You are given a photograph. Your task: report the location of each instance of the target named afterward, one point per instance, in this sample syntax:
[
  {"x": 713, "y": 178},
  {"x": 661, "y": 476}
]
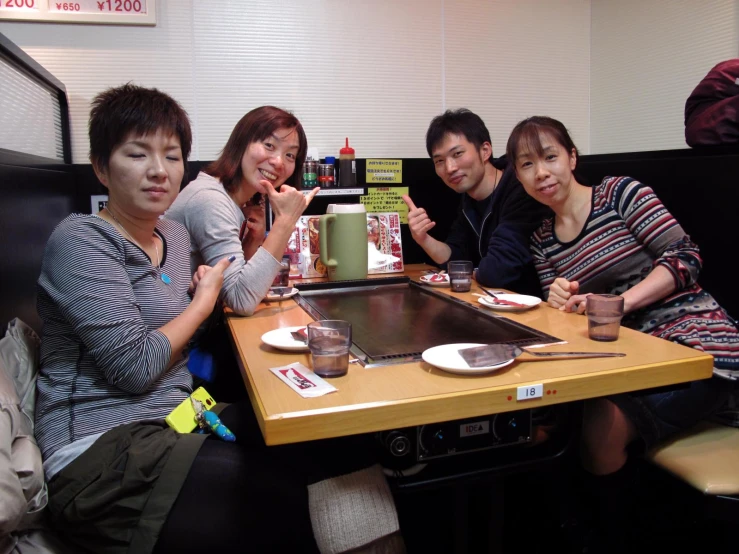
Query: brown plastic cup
[{"x": 604, "y": 316}]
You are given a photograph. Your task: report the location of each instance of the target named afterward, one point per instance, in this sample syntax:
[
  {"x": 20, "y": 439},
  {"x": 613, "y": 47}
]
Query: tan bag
[
  {"x": 21, "y": 471},
  {"x": 19, "y": 352}
]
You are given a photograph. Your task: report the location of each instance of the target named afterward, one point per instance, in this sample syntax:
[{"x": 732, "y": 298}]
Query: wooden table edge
[{"x": 354, "y": 419}]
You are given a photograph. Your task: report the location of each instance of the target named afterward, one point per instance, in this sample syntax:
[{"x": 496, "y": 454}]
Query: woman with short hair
[{"x": 115, "y": 299}]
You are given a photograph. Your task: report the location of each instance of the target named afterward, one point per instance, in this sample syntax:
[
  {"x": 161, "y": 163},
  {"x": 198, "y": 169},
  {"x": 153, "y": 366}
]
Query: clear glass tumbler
[
  {"x": 604, "y": 316},
  {"x": 282, "y": 279},
  {"x": 460, "y": 275},
  {"x": 329, "y": 342}
]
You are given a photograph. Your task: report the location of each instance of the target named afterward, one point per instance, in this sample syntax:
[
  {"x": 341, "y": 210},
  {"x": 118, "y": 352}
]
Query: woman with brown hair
[{"x": 223, "y": 208}]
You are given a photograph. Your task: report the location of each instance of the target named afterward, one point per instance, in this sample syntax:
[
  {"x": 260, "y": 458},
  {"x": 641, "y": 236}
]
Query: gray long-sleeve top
[
  {"x": 214, "y": 221},
  {"x": 104, "y": 361}
]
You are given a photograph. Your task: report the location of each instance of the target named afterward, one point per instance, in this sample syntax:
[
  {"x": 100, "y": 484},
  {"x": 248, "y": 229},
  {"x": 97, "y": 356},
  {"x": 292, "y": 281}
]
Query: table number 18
[{"x": 530, "y": 392}]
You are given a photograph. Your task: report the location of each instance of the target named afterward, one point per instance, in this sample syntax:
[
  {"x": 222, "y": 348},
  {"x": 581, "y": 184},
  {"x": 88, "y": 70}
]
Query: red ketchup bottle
[{"x": 347, "y": 166}]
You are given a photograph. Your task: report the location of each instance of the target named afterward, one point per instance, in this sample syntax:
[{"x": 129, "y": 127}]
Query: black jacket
[{"x": 499, "y": 244}]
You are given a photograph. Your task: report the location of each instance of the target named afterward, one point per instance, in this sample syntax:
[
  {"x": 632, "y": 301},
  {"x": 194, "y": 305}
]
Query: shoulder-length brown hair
[{"x": 256, "y": 125}]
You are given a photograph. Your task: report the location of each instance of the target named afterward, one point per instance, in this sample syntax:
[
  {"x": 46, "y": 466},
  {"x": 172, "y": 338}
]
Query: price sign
[
  {"x": 121, "y": 12},
  {"x": 530, "y": 392},
  {"x": 19, "y": 5}
]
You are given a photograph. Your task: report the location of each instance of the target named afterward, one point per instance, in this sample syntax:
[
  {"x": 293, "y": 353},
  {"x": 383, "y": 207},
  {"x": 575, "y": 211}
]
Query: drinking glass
[
  {"x": 460, "y": 275},
  {"x": 282, "y": 279},
  {"x": 604, "y": 316},
  {"x": 329, "y": 342}
]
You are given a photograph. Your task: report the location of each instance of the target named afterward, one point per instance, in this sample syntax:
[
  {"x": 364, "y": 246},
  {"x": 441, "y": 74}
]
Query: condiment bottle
[
  {"x": 347, "y": 166},
  {"x": 326, "y": 176},
  {"x": 332, "y": 160},
  {"x": 310, "y": 174}
]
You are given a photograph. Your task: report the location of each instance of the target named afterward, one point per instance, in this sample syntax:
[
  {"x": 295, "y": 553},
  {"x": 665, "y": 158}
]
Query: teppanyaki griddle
[{"x": 395, "y": 319}]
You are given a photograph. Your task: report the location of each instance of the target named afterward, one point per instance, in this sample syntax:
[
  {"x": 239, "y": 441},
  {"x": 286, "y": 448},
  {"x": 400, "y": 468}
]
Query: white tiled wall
[{"x": 377, "y": 71}]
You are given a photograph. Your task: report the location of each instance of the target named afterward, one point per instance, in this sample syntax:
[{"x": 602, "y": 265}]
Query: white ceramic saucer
[
  {"x": 527, "y": 302},
  {"x": 283, "y": 340},
  {"x": 447, "y": 357},
  {"x": 272, "y": 297},
  {"x": 426, "y": 279}
]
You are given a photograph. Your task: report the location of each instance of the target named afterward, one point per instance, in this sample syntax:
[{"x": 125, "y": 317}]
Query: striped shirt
[
  {"x": 627, "y": 234},
  {"x": 103, "y": 361}
]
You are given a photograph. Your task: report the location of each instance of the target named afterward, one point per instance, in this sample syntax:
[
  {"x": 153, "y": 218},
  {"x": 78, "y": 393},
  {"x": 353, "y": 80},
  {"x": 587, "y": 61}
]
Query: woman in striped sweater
[{"x": 618, "y": 238}]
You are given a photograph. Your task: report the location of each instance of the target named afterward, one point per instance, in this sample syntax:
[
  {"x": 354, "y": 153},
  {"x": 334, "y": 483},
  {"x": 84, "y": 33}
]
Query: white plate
[
  {"x": 276, "y": 297},
  {"x": 527, "y": 301},
  {"x": 283, "y": 340},
  {"x": 427, "y": 280},
  {"x": 447, "y": 357}
]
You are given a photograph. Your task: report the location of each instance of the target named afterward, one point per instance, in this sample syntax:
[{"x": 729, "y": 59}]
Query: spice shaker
[
  {"x": 326, "y": 176},
  {"x": 347, "y": 166},
  {"x": 310, "y": 174},
  {"x": 332, "y": 160}
]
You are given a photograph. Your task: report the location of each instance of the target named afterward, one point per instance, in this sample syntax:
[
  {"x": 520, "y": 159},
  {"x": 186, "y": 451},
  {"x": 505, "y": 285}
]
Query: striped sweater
[
  {"x": 628, "y": 233},
  {"x": 103, "y": 361}
]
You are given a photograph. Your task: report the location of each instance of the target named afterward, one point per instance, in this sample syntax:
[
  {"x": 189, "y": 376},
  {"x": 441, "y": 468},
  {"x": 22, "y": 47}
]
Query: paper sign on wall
[
  {"x": 384, "y": 171},
  {"x": 386, "y": 199}
]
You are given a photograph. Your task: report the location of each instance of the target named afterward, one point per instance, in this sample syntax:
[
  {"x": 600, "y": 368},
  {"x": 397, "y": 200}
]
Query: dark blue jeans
[{"x": 659, "y": 415}]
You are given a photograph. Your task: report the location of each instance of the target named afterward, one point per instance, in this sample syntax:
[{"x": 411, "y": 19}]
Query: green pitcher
[{"x": 342, "y": 238}]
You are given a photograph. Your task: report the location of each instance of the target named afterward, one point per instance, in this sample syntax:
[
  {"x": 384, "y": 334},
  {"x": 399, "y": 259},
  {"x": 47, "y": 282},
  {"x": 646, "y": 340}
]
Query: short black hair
[
  {"x": 120, "y": 111},
  {"x": 457, "y": 122}
]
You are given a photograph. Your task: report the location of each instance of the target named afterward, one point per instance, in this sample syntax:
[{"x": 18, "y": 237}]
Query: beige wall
[
  {"x": 377, "y": 71},
  {"x": 647, "y": 57}
]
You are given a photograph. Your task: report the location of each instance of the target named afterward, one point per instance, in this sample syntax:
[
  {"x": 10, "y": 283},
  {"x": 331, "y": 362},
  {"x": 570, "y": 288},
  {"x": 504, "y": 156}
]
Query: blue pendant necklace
[
  {"x": 166, "y": 279},
  {"x": 163, "y": 276}
]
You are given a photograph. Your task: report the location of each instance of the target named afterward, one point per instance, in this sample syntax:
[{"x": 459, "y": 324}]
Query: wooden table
[{"x": 396, "y": 396}]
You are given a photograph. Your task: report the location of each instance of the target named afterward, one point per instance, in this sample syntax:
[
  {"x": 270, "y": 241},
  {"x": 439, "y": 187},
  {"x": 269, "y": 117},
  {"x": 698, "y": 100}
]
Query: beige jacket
[{"x": 22, "y": 486}]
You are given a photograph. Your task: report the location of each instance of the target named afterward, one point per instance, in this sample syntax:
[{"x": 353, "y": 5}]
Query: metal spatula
[{"x": 494, "y": 354}]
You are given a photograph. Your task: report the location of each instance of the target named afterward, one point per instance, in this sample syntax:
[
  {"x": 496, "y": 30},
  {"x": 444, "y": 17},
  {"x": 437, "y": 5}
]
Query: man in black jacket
[{"x": 495, "y": 218}]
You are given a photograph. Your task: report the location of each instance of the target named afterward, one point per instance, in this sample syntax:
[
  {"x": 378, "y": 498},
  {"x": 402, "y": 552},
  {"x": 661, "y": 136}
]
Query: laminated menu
[{"x": 384, "y": 248}]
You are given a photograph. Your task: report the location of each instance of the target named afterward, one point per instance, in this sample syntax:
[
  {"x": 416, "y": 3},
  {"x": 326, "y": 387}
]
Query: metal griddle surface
[{"x": 396, "y": 323}]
